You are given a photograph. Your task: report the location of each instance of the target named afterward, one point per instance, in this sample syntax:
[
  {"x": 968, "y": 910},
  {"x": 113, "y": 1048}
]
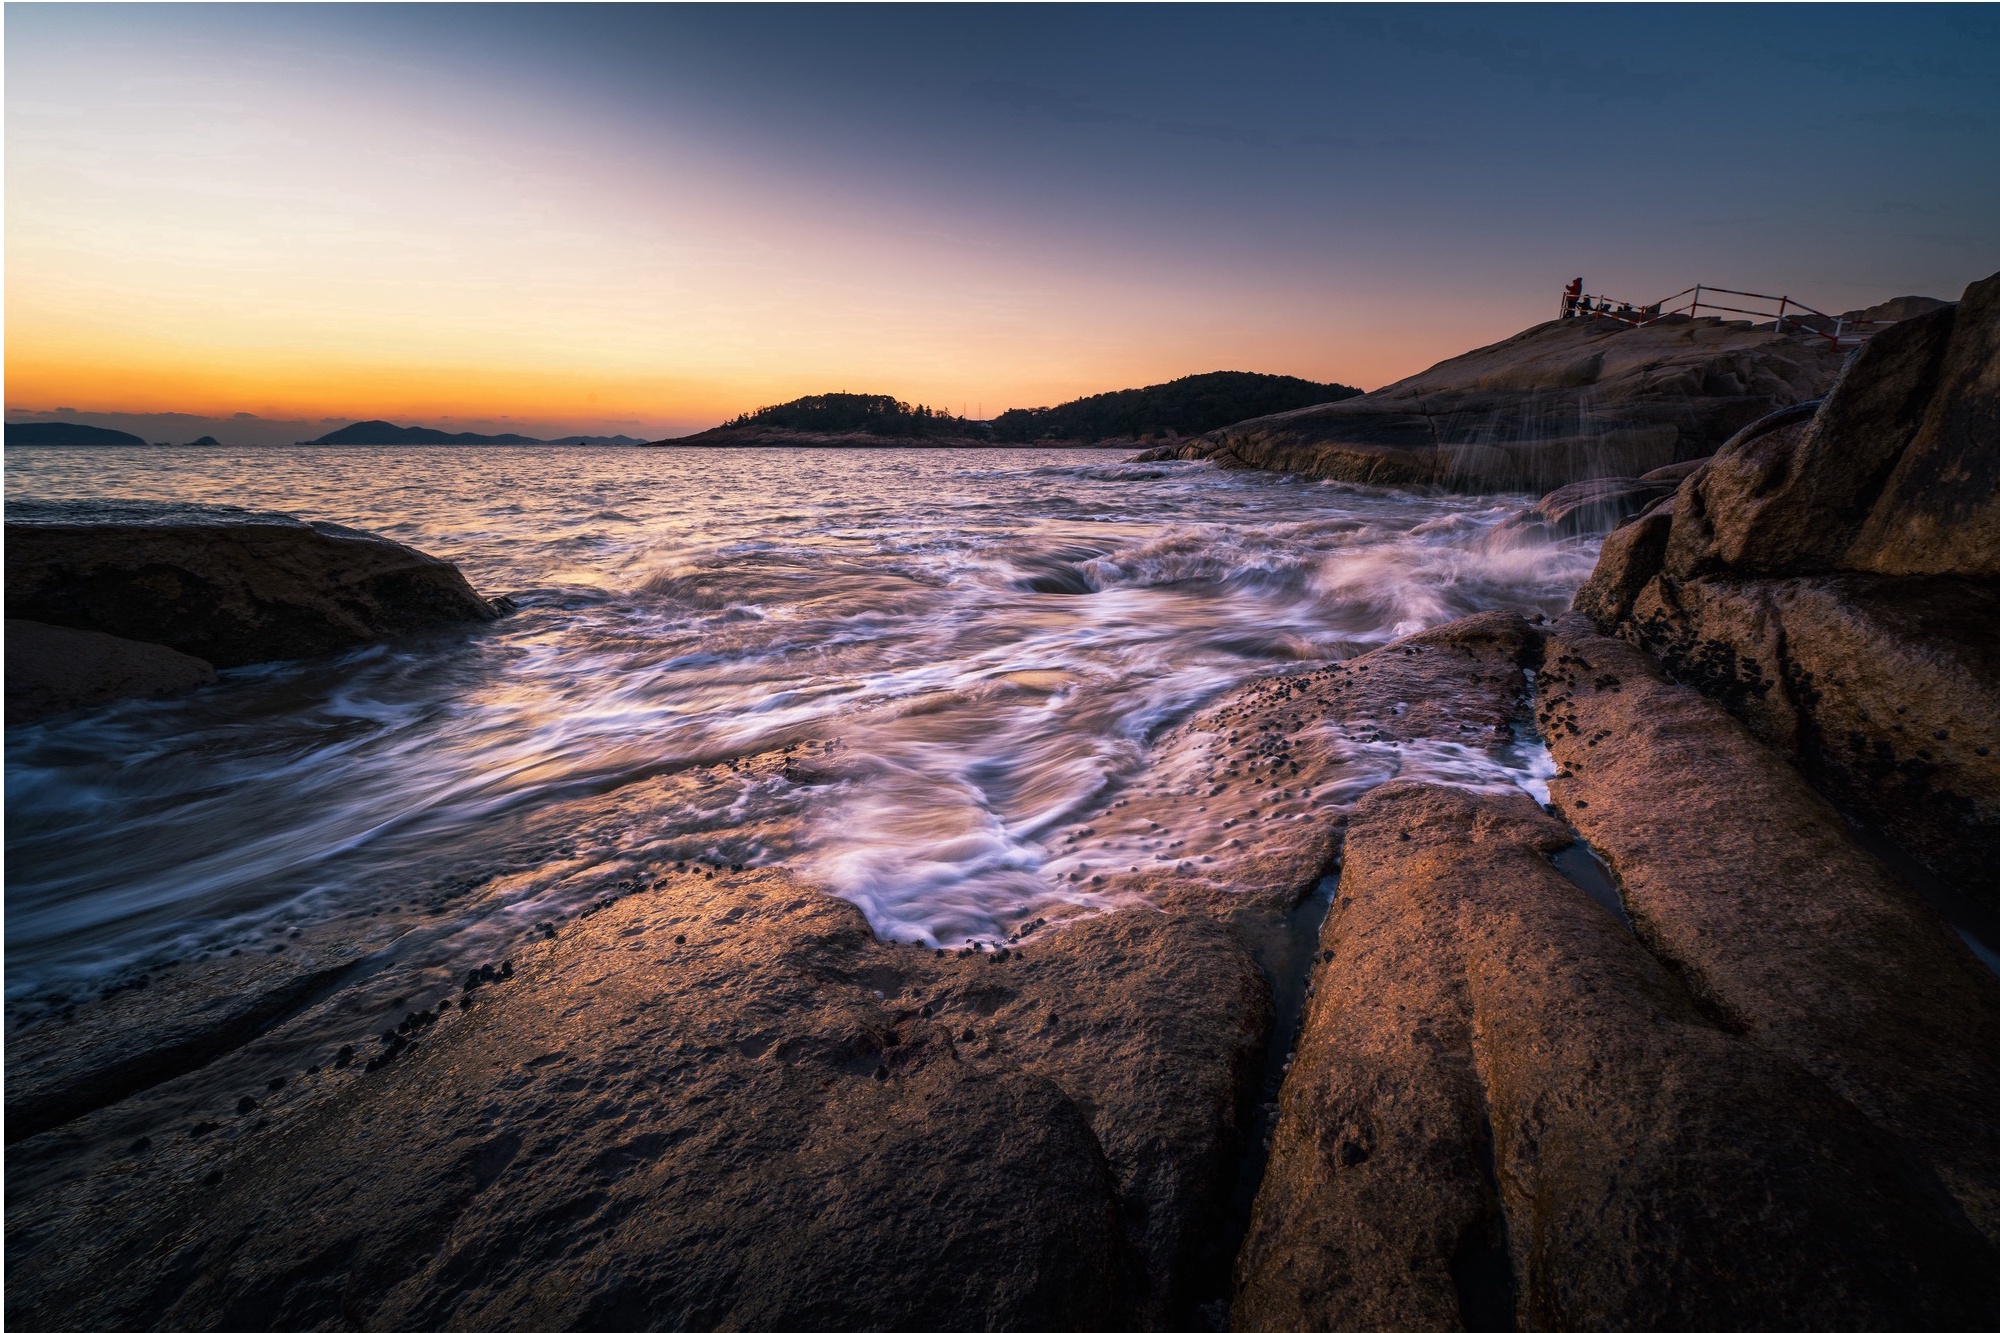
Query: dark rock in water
[
  {"x": 68, "y": 432},
  {"x": 1504, "y": 1112},
  {"x": 227, "y": 585},
  {"x": 1834, "y": 579},
  {"x": 1679, "y": 472},
  {"x": 1564, "y": 401},
  {"x": 52, "y": 670},
  {"x": 1585, "y": 508},
  {"x": 1748, "y": 885}
]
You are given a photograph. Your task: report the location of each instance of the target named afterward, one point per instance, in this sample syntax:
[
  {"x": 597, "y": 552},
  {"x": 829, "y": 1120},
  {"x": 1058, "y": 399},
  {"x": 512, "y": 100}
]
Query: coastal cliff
[{"x": 1561, "y": 402}]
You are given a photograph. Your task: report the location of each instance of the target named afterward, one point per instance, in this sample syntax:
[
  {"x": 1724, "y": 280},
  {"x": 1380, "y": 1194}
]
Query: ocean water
[{"x": 987, "y": 642}]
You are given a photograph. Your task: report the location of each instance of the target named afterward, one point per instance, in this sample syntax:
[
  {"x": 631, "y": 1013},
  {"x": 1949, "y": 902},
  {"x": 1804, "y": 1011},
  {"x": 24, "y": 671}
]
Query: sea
[{"x": 990, "y": 640}]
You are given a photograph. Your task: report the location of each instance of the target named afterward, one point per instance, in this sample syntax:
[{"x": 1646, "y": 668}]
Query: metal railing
[{"x": 1693, "y": 300}]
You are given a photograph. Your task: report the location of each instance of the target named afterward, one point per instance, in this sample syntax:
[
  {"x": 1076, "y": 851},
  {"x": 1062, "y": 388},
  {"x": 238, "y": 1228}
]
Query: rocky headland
[
  {"x": 1565, "y": 401},
  {"x": 1689, "y": 1045}
]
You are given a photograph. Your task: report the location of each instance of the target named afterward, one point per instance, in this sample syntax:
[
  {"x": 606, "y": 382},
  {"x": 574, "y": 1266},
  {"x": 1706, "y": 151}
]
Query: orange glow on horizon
[{"x": 110, "y": 373}]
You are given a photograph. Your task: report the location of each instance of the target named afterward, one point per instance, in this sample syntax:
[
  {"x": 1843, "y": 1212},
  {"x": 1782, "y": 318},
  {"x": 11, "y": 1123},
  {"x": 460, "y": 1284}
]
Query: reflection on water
[{"x": 990, "y": 638}]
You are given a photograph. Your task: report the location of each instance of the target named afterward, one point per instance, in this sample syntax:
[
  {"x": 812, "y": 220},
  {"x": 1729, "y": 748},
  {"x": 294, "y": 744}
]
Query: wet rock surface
[
  {"x": 1745, "y": 881},
  {"x": 225, "y": 585},
  {"x": 1562, "y": 402},
  {"x": 1274, "y": 767},
  {"x": 1504, "y": 1112},
  {"x": 1585, "y": 508},
  {"x": 52, "y": 670},
  {"x": 720, "y": 1101},
  {"x": 77, "y": 1059}
]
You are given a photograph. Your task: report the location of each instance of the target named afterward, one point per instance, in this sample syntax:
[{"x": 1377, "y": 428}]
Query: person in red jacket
[{"x": 1570, "y": 295}]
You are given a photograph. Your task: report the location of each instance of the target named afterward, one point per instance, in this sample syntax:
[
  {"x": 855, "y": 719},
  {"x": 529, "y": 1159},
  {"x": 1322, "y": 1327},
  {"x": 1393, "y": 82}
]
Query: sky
[{"x": 643, "y": 219}]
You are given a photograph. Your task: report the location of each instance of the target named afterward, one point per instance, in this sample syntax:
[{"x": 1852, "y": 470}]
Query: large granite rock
[
  {"x": 52, "y": 670},
  {"x": 1504, "y": 1112},
  {"x": 1834, "y": 581},
  {"x": 1564, "y": 401},
  {"x": 229, "y": 586},
  {"x": 1748, "y": 885}
]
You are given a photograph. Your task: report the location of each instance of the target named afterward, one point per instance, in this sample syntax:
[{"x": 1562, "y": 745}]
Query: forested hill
[
  {"x": 1189, "y": 406},
  {"x": 855, "y": 413}
]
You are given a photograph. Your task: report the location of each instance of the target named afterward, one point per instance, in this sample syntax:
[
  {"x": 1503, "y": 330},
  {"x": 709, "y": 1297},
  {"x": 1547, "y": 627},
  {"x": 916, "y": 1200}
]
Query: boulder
[
  {"x": 227, "y": 585},
  {"x": 1504, "y": 1112},
  {"x": 1939, "y": 510},
  {"x": 1565, "y": 401},
  {"x": 1629, "y": 560},
  {"x": 1793, "y": 499},
  {"x": 1679, "y": 472},
  {"x": 1747, "y": 884},
  {"x": 52, "y": 670}
]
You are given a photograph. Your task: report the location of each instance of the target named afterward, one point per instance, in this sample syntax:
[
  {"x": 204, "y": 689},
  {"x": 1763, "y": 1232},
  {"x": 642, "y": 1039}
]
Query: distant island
[
  {"x": 387, "y": 432},
  {"x": 70, "y": 433},
  {"x": 839, "y": 420},
  {"x": 1191, "y": 405}
]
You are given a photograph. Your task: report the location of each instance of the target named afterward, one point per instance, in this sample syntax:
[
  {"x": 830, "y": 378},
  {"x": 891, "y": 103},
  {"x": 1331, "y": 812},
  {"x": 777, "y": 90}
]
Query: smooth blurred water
[{"x": 991, "y": 638}]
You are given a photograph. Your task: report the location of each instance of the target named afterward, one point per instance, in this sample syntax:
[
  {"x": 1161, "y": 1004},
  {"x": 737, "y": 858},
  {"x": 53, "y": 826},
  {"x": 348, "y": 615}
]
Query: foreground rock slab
[
  {"x": 718, "y": 1101},
  {"x": 228, "y": 586},
  {"x": 1505, "y": 1112}
]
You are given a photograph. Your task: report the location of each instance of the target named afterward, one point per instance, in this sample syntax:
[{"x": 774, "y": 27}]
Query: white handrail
[{"x": 1788, "y": 307}]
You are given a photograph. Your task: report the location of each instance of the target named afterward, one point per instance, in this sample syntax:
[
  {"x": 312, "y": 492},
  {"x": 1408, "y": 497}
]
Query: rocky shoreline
[{"x": 1675, "y": 1049}]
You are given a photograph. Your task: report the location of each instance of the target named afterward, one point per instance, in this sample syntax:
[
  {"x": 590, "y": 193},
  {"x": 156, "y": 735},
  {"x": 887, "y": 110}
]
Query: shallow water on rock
[{"x": 977, "y": 646}]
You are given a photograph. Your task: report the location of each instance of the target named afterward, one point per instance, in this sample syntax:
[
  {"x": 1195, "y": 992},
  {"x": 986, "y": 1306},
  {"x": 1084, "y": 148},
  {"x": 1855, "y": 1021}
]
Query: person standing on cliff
[{"x": 1571, "y": 294}]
